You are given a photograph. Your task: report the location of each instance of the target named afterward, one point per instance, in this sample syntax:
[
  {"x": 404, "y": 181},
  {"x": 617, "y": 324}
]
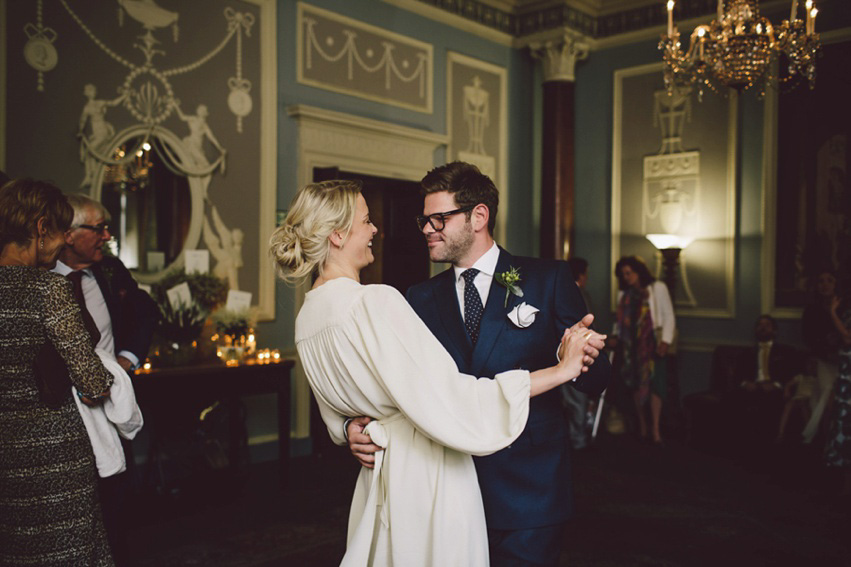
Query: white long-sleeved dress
[{"x": 366, "y": 352}]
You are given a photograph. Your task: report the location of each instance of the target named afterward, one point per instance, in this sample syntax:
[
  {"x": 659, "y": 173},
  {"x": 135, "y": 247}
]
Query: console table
[{"x": 198, "y": 385}]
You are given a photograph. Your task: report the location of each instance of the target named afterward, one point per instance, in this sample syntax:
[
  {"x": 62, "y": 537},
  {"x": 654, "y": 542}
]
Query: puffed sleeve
[
  {"x": 65, "y": 329},
  {"x": 334, "y": 421},
  {"x": 459, "y": 411}
]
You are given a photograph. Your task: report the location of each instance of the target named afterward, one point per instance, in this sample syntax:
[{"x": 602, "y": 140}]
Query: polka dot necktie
[{"x": 473, "y": 308}]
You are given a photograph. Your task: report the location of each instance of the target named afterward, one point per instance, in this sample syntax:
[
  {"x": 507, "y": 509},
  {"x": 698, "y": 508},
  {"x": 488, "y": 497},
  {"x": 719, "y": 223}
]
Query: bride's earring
[{"x": 41, "y": 243}]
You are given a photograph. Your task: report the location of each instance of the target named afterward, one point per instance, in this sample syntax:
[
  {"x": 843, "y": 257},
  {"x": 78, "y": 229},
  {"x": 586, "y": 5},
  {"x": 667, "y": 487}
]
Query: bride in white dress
[{"x": 366, "y": 352}]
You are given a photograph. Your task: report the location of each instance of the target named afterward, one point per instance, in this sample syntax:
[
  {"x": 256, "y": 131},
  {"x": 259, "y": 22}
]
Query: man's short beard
[{"x": 458, "y": 246}]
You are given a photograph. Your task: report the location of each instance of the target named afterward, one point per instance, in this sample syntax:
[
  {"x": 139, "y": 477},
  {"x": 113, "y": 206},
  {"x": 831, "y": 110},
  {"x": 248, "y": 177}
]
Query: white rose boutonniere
[{"x": 523, "y": 315}]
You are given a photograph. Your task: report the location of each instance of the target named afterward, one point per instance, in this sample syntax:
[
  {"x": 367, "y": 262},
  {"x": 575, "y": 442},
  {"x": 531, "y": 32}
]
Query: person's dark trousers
[
  {"x": 113, "y": 491},
  {"x": 536, "y": 547}
]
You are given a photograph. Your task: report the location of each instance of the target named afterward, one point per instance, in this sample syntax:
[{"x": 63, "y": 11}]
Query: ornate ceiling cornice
[{"x": 520, "y": 21}]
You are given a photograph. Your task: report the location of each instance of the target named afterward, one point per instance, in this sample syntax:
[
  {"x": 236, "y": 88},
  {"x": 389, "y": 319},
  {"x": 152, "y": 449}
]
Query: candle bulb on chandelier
[
  {"x": 720, "y": 10},
  {"x": 794, "y": 15},
  {"x": 670, "y": 18},
  {"x": 813, "y": 14},
  {"x": 809, "y": 6}
]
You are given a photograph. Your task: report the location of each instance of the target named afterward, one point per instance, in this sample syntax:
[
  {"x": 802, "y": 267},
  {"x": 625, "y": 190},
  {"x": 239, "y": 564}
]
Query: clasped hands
[
  {"x": 577, "y": 339},
  {"x": 580, "y": 336}
]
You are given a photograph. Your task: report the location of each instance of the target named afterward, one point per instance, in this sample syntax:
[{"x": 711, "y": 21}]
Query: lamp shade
[{"x": 666, "y": 241}]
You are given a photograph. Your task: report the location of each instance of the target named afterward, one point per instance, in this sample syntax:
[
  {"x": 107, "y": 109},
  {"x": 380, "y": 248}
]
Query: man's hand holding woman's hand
[
  {"x": 360, "y": 444},
  {"x": 580, "y": 346}
]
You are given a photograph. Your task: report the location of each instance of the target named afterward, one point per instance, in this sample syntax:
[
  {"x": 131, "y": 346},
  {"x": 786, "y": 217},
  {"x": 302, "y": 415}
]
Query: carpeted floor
[{"x": 637, "y": 505}]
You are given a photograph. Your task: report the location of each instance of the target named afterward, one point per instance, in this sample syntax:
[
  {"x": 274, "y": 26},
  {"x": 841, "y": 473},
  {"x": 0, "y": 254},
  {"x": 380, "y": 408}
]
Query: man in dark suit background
[
  {"x": 526, "y": 487},
  {"x": 125, "y": 316},
  {"x": 764, "y": 371},
  {"x": 123, "y": 312}
]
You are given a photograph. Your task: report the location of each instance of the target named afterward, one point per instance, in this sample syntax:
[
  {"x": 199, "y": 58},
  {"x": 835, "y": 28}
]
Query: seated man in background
[{"x": 764, "y": 370}]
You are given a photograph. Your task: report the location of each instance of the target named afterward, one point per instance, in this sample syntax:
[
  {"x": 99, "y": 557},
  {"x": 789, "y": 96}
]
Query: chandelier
[
  {"x": 740, "y": 49},
  {"x": 129, "y": 170}
]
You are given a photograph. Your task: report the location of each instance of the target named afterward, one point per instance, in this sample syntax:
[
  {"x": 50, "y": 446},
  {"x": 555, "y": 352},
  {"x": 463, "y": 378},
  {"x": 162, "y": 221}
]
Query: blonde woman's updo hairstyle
[{"x": 300, "y": 246}]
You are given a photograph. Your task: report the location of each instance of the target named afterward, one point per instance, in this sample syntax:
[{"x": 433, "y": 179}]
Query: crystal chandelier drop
[{"x": 739, "y": 48}]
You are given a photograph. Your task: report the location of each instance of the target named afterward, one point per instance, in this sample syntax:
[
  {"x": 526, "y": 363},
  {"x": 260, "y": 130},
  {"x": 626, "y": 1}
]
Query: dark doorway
[{"x": 401, "y": 256}]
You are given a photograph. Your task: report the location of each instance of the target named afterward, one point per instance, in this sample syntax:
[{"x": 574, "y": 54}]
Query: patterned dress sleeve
[{"x": 64, "y": 328}]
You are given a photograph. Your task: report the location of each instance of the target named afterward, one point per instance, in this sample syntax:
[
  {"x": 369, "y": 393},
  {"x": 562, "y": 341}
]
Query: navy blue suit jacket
[{"x": 527, "y": 484}]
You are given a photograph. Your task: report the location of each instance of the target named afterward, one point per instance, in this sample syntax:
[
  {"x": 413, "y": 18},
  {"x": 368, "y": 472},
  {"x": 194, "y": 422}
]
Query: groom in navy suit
[{"x": 526, "y": 487}]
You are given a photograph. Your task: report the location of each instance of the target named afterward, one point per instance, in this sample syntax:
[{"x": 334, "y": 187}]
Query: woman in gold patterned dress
[{"x": 49, "y": 509}]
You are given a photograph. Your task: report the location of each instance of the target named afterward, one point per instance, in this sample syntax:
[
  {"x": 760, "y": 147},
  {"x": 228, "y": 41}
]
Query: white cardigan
[{"x": 661, "y": 312}]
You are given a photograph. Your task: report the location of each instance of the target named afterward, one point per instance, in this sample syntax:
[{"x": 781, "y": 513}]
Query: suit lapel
[
  {"x": 100, "y": 278},
  {"x": 493, "y": 319},
  {"x": 446, "y": 299}
]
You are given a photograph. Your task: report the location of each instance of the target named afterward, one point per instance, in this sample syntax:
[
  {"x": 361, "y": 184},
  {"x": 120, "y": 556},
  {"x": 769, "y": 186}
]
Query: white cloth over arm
[
  {"x": 118, "y": 415},
  {"x": 366, "y": 352}
]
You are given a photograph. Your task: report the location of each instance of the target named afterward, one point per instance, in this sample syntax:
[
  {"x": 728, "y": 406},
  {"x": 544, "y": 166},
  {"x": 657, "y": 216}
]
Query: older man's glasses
[
  {"x": 438, "y": 220},
  {"x": 100, "y": 228}
]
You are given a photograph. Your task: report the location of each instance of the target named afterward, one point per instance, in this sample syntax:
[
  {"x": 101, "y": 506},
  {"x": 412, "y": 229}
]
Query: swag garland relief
[
  {"x": 340, "y": 54},
  {"x": 152, "y": 161}
]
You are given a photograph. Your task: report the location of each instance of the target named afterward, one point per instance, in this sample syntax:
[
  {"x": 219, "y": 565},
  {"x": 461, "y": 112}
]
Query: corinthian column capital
[{"x": 559, "y": 57}]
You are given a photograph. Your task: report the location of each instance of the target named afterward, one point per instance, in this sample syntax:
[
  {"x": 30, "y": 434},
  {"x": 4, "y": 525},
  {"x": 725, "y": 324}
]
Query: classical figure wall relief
[
  {"x": 194, "y": 145},
  {"x": 95, "y": 147},
  {"x": 476, "y": 115},
  {"x": 225, "y": 245},
  {"x": 117, "y": 131}
]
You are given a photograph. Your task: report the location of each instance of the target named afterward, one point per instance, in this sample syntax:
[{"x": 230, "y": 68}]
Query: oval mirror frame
[{"x": 196, "y": 192}]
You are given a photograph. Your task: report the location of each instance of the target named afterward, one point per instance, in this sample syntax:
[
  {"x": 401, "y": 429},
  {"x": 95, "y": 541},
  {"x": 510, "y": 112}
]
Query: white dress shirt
[
  {"x": 96, "y": 304},
  {"x": 764, "y": 352},
  {"x": 486, "y": 265}
]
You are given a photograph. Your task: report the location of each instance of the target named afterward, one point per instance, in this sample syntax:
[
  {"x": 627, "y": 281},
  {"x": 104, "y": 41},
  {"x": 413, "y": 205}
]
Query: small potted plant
[{"x": 180, "y": 327}]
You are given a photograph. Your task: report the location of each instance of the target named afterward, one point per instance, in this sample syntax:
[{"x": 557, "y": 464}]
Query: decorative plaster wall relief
[
  {"x": 671, "y": 186},
  {"x": 39, "y": 51},
  {"x": 477, "y": 119},
  {"x": 168, "y": 102},
  {"x": 347, "y": 56},
  {"x": 673, "y": 173}
]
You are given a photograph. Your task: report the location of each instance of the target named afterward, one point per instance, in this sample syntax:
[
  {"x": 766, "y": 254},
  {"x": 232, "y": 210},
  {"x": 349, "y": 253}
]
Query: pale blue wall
[
  {"x": 521, "y": 237},
  {"x": 594, "y": 127}
]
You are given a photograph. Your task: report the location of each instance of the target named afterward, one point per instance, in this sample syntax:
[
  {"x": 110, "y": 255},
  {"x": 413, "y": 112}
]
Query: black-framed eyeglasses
[
  {"x": 438, "y": 220},
  {"x": 100, "y": 228}
]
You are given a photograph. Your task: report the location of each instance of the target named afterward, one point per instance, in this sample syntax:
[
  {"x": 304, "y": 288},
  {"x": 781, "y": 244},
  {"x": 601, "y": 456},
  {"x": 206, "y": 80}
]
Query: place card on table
[
  {"x": 197, "y": 261},
  {"x": 179, "y": 296},
  {"x": 238, "y": 300}
]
